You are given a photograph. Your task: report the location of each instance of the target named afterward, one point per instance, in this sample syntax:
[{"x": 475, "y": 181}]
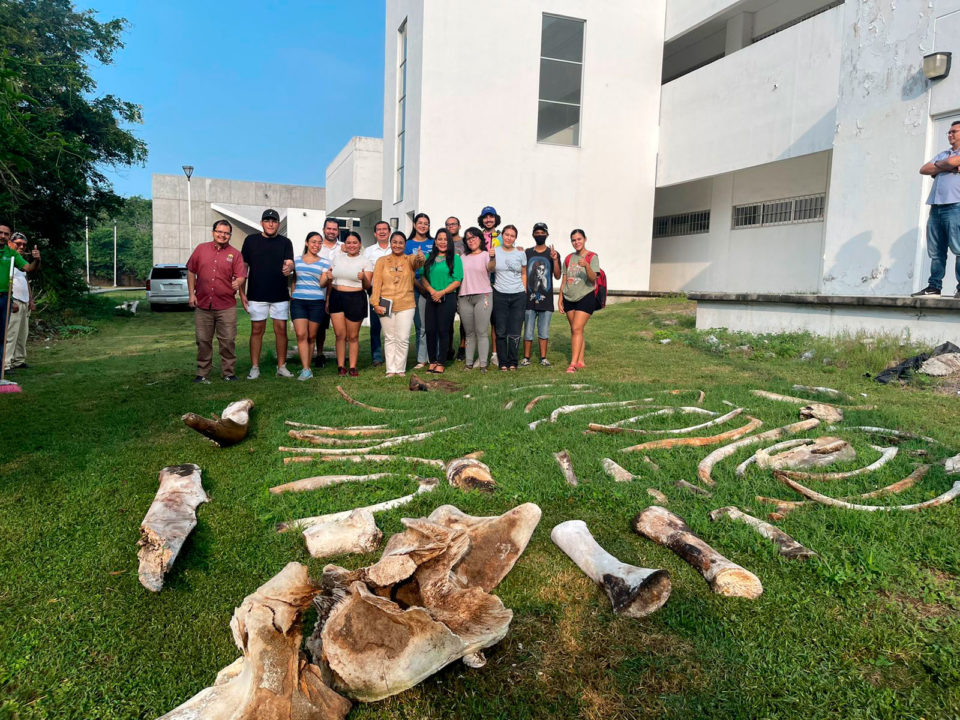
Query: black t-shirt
[
  {"x": 539, "y": 280},
  {"x": 264, "y": 256}
]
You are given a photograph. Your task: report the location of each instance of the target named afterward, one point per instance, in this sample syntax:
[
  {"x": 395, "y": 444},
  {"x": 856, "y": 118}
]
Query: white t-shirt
[
  {"x": 375, "y": 252},
  {"x": 20, "y": 290},
  {"x": 345, "y": 269}
]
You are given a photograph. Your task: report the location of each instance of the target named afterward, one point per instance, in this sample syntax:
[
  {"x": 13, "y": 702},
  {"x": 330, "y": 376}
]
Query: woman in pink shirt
[{"x": 476, "y": 296}]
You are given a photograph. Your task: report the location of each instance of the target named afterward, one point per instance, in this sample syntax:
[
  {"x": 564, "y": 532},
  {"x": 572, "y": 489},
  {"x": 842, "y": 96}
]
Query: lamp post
[
  {"x": 86, "y": 235},
  {"x": 188, "y": 171},
  {"x": 114, "y": 253}
]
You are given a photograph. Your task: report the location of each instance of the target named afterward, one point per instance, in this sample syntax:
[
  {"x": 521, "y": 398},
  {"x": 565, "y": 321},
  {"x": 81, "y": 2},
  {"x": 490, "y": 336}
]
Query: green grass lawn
[{"x": 871, "y": 630}]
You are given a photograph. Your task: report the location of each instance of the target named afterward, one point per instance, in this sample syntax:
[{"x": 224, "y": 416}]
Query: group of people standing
[{"x": 401, "y": 282}]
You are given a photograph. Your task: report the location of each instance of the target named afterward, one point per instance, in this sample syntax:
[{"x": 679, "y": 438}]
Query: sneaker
[
  {"x": 525, "y": 362},
  {"x": 928, "y": 290},
  {"x": 283, "y": 372},
  {"x": 200, "y": 379},
  {"x": 305, "y": 374},
  {"x": 230, "y": 378},
  {"x": 254, "y": 373},
  {"x": 341, "y": 371},
  {"x": 483, "y": 369},
  {"x": 494, "y": 360},
  {"x": 462, "y": 354},
  {"x": 352, "y": 372},
  {"x": 320, "y": 361},
  {"x": 544, "y": 362}
]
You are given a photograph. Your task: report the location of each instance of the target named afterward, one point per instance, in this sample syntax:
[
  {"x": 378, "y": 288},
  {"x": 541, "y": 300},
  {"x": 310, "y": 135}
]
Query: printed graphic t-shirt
[{"x": 539, "y": 280}]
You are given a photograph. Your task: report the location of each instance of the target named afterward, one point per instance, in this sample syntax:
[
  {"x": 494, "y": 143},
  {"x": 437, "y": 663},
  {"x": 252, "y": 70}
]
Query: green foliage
[
  {"x": 134, "y": 242},
  {"x": 56, "y": 134}
]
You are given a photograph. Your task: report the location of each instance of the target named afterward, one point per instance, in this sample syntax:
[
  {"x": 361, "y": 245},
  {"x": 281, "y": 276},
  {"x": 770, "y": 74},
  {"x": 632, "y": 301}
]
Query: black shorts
[
  {"x": 587, "y": 304},
  {"x": 353, "y": 305},
  {"x": 313, "y": 310}
]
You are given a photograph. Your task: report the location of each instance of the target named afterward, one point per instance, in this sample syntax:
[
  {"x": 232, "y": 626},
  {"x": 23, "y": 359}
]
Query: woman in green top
[
  {"x": 442, "y": 275},
  {"x": 576, "y": 294}
]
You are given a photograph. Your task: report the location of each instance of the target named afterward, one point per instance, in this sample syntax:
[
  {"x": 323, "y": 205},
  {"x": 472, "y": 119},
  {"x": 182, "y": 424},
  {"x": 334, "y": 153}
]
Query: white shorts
[{"x": 260, "y": 310}]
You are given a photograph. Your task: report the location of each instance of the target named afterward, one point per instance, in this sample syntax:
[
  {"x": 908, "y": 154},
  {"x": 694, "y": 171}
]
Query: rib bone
[
  {"x": 886, "y": 455},
  {"x": 785, "y": 445},
  {"x": 345, "y": 396},
  {"x": 786, "y": 545},
  {"x": 698, "y": 441},
  {"x": 616, "y": 428},
  {"x": 322, "y": 481},
  {"x": 705, "y": 467},
  {"x": 723, "y": 576},
  {"x": 943, "y": 499},
  {"x": 392, "y": 442},
  {"x": 359, "y": 458},
  {"x": 633, "y": 591},
  {"x": 567, "y": 409}
]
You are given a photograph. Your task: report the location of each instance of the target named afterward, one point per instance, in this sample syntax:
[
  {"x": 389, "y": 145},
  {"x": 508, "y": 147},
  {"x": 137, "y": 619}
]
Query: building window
[
  {"x": 785, "y": 211},
  {"x": 691, "y": 223},
  {"x": 401, "y": 150},
  {"x": 561, "y": 80}
]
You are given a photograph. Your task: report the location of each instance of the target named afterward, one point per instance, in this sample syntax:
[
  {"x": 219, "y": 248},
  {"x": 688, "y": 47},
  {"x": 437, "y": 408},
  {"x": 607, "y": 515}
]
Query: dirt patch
[{"x": 918, "y": 607}]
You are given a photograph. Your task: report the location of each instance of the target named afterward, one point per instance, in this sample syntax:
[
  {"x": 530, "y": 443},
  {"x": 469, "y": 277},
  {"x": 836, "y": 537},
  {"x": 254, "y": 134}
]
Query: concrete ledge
[{"x": 917, "y": 303}]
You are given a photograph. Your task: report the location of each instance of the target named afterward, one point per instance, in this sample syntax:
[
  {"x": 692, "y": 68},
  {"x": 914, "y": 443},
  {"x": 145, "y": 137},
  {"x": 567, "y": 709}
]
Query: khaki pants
[
  {"x": 16, "y": 350},
  {"x": 396, "y": 339},
  {"x": 224, "y": 324}
]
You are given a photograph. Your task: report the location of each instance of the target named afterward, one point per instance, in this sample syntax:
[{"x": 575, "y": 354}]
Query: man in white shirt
[
  {"x": 331, "y": 244},
  {"x": 16, "y": 351},
  {"x": 381, "y": 248}
]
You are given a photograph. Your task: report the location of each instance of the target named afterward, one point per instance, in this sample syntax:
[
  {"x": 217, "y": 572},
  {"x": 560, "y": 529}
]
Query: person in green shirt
[
  {"x": 442, "y": 275},
  {"x": 8, "y": 256}
]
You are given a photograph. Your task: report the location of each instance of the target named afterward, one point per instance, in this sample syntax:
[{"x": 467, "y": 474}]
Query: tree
[
  {"x": 134, "y": 241},
  {"x": 56, "y": 135}
]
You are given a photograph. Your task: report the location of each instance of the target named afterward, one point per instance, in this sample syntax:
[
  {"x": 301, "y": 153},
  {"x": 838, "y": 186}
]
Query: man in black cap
[
  {"x": 543, "y": 264},
  {"x": 269, "y": 259}
]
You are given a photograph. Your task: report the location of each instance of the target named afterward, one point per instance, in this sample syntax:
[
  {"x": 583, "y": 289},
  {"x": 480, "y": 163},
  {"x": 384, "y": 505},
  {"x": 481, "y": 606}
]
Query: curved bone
[
  {"x": 616, "y": 472},
  {"x": 705, "y": 467},
  {"x": 356, "y": 533},
  {"x": 801, "y": 401},
  {"x": 509, "y": 405},
  {"x": 886, "y": 455},
  {"x": 227, "y": 430},
  {"x": 566, "y": 465},
  {"x": 888, "y": 431},
  {"x": 322, "y": 481},
  {"x": 273, "y": 679},
  {"x": 658, "y": 496},
  {"x": 694, "y": 489},
  {"x": 633, "y": 591},
  {"x": 786, "y": 545},
  {"x": 171, "y": 517},
  {"x": 823, "y": 391},
  {"x": 355, "y": 431},
  {"x": 824, "y": 450},
  {"x": 470, "y": 474},
  {"x": 315, "y": 439},
  {"x": 530, "y": 405},
  {"x": 367, "y": 457},
  {"x": 785, "y": 445},
  {"x": 425, "y": 485},
  {"x": 392, "y": 442},
  {"x": 345, "y": 396},
  {"x": 723, "y": 576},
  {"x": 333, "y": 428},
  {"x": 669, "y": 410},
  {"x": 567, "y": 409},
  {"x": 698, "y": 441},
  {"x": 616, "y": 429},
  {"x": 943, "y": 499}
]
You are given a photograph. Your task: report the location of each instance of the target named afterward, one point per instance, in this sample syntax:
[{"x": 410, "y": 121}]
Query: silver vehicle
[{"x": 167, "y": 285}]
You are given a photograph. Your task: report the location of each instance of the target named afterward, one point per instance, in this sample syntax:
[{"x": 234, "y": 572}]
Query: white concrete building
[{"x": 722, "y": 146}]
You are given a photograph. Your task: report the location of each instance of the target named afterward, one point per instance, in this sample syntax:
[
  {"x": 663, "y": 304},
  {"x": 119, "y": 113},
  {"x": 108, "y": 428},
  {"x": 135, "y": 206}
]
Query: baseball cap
[
  {"x": 489, "y": 210},
  {"x": 270, "y": 214},
  {"x": 541, "y": 226}
]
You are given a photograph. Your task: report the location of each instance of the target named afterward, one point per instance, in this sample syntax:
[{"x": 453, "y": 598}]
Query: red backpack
[{"x": 600, "y": 286}]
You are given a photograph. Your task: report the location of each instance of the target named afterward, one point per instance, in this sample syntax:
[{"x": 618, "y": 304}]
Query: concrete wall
[
  {"x": 171, "y": 243},
  {"x": 355, "y": 178},
  {"x": 771, "y": 101},
  {"x": 781, "y": 258},
  {"x": 684, "y": 15},
  {"x": 491, "y": 156},
  {"x": 882, "y": 124}
]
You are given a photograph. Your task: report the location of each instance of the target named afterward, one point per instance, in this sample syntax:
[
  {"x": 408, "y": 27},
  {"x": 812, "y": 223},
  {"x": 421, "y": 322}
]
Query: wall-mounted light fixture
[
  {"x": 394, "y": 222},
  {"x": 936, "y": 66}
]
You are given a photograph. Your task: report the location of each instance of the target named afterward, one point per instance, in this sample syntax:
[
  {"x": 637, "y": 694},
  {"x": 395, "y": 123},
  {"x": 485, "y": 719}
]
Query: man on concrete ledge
[{"x": 943, "y": 225}]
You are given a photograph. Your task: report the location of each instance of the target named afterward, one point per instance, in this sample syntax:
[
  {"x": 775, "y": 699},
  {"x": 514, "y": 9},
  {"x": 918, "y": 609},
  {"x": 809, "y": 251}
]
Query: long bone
[
  {"x": 698, "y": 441},
  {"x": 705, "y": 467},
  {"x": 786, "y": 545}
]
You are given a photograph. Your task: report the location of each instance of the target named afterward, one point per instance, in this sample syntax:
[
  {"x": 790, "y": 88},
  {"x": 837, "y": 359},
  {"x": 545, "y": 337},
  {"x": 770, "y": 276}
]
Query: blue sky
[{"x": 246, "y": 90}]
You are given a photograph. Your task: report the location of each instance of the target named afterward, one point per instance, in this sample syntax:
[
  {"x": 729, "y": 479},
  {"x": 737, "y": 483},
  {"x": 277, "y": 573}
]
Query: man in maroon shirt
[{"x": 215, "y": 272}]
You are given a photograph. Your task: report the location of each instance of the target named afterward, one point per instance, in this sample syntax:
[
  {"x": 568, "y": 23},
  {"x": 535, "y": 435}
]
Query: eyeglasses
[{"x": 222, "y": 232}]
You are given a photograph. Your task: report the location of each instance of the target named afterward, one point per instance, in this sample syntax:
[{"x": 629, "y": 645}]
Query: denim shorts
[
  {"x": 541, "y": 319},
  {"x": 313, "y": 310}
]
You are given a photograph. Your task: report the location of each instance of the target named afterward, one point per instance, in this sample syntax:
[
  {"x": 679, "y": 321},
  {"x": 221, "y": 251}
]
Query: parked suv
[{"x": 167, "y": 285}]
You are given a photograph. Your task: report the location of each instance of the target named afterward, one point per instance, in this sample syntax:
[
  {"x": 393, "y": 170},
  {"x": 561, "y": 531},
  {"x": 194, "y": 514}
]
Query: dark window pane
[
  {"x": 168, "y": 273},
  {"x": 560, "y": 81},
  {"x": 562, "y": 38},
  {"x": 558, "y": 124}
]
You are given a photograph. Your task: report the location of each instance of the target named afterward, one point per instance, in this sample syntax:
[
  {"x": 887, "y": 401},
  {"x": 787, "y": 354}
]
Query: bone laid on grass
[
  {"x": 786, "y": 545},
  {"x": 633, "y": 591},
  {"x": 355, "y": 430},
  {"x": 693, "y": 489},
  {"x": 425, "y": 485},
  {"x": 509, "y": 405},
  {"x": 360, "y": 458},
  {"x": 322, "y": 481},
  {"x": 168, "y": 522},
  {"x": 658, "y": 496},
  {"x": 785, "y": 445},
  {"x": 822, "y": 390},
  {"x": 888, "y": 431},
  {"x": 752, "y": 425},
  {"x": 566, "y": 466},
  {"x": 618, "y": 473},
  {"x": 567, "y": 409},
  {"x": 801, "y": 401},
  {"x": 722, "y": 575},
  {"x": 314, "y": 439},
  {"x": 617, "y": 429},
  {"x": 943, "y": 499},
  {"x": 663, "y": 411},
  {"x": 392, "y": 442},
  {"x": 886, "y": 455},
  {"x": 356, "y": 533},
  {"x": 345, "y": 396},
  {"x": 530, "y": 405},
  {"x": 226, "y": 430},
  {"x": 705, "y": 467}
]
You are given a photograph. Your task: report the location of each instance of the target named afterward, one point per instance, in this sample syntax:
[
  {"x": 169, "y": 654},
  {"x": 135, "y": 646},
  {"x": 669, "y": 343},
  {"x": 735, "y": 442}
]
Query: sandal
[
  {"x": 581, "y": 365},
  {"x": 572, "y": 369},
  {"x": 432, "y": 368},
  {"x": 438, "y": 370}
]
